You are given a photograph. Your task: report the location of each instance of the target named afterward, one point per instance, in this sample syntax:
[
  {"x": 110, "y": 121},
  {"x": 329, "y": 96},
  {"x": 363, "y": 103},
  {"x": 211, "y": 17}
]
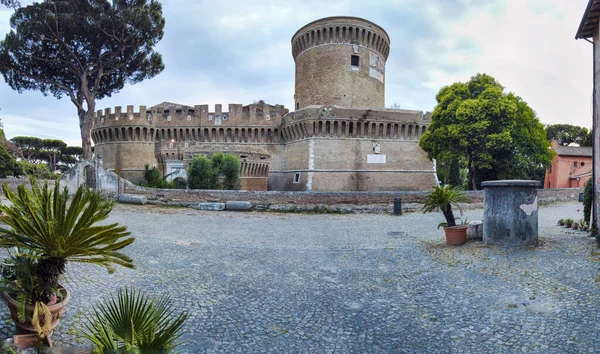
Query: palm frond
[
  {"x": 134, "y": 321},
  {"x": 41, "y": 219}
]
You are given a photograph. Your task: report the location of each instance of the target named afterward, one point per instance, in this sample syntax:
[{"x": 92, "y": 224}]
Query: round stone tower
[{"x": 340, "y": 61}]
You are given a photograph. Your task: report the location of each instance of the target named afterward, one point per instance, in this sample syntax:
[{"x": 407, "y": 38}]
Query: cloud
[{"x": 234, "y": 51}]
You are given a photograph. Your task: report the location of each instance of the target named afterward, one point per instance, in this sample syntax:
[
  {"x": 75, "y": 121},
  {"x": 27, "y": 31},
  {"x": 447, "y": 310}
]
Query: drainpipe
[{"x": 595, "y": 156}]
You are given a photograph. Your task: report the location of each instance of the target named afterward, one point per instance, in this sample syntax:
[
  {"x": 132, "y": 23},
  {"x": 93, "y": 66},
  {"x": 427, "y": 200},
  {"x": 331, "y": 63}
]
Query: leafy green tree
[
  {"x": 83, "y": 49},
  {"x": 202, "y": 174},
  {"x": 230, "y": 170},
  {"x": 30, "y": 169},
  {"x": 217, "y": 160},
  {"x": 51, "y": 151},
  {"x": 491, "y": 133},
  {"x": 30, "y": 147},
  {"x": 587, "y": 140},
  {"x": 10, "y": 3},
  {"x": 8, "y": 164},
  {"x": 70, "y": 155},
  {"x": 567, "y": 134}
]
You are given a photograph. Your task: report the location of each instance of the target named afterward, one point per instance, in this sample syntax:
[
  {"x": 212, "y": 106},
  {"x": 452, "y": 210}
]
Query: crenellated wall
[
  {"x": 340, "y": 61},
  {"x": 128, "y": 140}
]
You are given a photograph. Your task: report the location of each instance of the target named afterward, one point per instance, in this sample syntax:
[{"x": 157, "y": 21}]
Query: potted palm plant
[
  {"x": 444, "y": 198},
  {"x": 53, "y": 232}
]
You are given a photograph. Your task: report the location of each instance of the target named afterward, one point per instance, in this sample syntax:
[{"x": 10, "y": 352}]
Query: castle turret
[{"x": 340, "y": 61}]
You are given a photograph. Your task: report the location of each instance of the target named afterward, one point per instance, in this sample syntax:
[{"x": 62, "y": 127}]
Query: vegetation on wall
[
  {"x": 204, "y": 173},
  {"x": 493, "y": 134}
]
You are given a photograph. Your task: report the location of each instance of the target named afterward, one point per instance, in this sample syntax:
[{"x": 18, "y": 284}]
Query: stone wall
[
  {"x": 325, "y": 72},
  {"x": 370, "y": 201}
]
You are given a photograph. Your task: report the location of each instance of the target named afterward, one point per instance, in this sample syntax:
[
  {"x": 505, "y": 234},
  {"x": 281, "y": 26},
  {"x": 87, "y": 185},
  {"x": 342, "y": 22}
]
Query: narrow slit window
[
  {"x": 354, "y": 60},
  {"x": 297, "y": 178}
]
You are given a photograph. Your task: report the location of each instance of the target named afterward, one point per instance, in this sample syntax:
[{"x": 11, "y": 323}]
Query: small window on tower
[{"x": 354, "y": 60}]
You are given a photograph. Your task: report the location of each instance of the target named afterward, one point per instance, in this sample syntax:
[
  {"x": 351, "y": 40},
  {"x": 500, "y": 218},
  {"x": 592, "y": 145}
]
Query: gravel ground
[{"x": 299, "y": 283}]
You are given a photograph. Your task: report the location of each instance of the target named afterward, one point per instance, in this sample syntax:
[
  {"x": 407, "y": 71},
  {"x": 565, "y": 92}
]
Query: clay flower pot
[
  {"x": 456, "y": 235},
  {"x": 25, "y": 327}
]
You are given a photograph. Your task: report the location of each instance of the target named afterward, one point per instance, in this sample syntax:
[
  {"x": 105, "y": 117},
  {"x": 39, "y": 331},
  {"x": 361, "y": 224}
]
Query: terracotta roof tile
[{"x": 573, "y": 150}]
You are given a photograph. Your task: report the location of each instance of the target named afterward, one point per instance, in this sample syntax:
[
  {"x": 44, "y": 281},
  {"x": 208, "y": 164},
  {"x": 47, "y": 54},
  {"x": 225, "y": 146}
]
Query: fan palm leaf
[{"x": 134, "y": 322}]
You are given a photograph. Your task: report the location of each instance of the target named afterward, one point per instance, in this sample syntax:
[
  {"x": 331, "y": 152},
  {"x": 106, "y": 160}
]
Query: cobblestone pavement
[{"x": 296, "y": 283}]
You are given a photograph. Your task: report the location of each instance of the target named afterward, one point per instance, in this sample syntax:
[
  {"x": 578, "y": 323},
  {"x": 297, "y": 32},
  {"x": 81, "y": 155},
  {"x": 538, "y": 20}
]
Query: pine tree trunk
[{"x": 86, "y": 123}]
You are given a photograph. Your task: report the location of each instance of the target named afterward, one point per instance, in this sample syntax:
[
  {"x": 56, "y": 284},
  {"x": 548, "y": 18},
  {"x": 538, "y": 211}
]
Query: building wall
[
  {"x": 322, "y": 51},
  {"x": 596, "y": 128},
  {"x": 563, "y": 167}
]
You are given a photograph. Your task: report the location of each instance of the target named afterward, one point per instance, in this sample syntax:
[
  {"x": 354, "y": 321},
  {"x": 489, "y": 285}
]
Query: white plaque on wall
[
  {"x": 376, "y": 158},
  {"x": 375, "y": 74}
]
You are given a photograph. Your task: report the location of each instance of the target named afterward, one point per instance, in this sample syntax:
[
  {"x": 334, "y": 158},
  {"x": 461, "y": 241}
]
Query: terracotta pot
[
  {"x": 583, "y": 228},
  {"x": 25, "y": 327},
  {"x": 568, "y": 225},
  {"x": 456, "y": 235}
]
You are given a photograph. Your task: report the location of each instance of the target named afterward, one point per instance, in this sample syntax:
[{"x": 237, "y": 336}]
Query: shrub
[
  {"x": 36, "y": 170},
  {"x": 203, "y": 174},
  {"x": 155, "y": 180},
  {"x": 230, "y": 170},
  {"x": 587, "y": 201}
]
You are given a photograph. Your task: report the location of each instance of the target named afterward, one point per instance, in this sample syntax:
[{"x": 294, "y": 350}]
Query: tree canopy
[
  {"x": 10, "y": 3},
  {"x": 495, "y": 135},
  {"x": 53, "y": 152},
  {"x": 83, "y": 49},
  {"x": 567, "y": 134}
]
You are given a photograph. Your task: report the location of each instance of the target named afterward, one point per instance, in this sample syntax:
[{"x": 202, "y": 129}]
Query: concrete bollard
[
  {"x": 475, "y": 230},
  {"x": 238, "y": 206},
  {"x": 133, "y": 199},
  {"x": 510, "y": 213},
  {"x": 211, "y": 206}
]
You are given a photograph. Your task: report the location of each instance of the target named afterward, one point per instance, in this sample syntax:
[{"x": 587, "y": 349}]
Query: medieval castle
[{"x": 340, "y": 136}]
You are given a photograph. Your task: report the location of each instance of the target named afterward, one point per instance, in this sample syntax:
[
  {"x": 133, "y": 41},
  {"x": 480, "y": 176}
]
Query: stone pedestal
[
  {"x": 510, "y": 213},
  {"x": 475, "y": 230}
]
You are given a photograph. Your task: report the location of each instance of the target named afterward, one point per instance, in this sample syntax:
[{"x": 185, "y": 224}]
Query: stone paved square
[{"x": 299, "y": 283}]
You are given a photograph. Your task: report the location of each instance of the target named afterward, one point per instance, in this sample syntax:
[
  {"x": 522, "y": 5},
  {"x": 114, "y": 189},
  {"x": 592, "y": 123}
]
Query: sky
[{"x": 238, "y": 51}]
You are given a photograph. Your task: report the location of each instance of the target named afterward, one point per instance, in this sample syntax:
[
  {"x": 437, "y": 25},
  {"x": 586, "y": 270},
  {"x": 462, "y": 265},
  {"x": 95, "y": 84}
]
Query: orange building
[{"x": 571, "y": 167}]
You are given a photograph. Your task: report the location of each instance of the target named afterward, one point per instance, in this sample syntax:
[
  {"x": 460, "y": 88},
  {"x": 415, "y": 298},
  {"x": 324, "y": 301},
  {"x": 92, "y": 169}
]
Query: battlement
[
  {"x": 167, "y": 114},
  {"x": 341, "y": 30}
]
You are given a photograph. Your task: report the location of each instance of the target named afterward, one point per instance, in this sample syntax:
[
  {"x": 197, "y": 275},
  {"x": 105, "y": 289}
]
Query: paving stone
[{"x": 299, "y": 283}]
